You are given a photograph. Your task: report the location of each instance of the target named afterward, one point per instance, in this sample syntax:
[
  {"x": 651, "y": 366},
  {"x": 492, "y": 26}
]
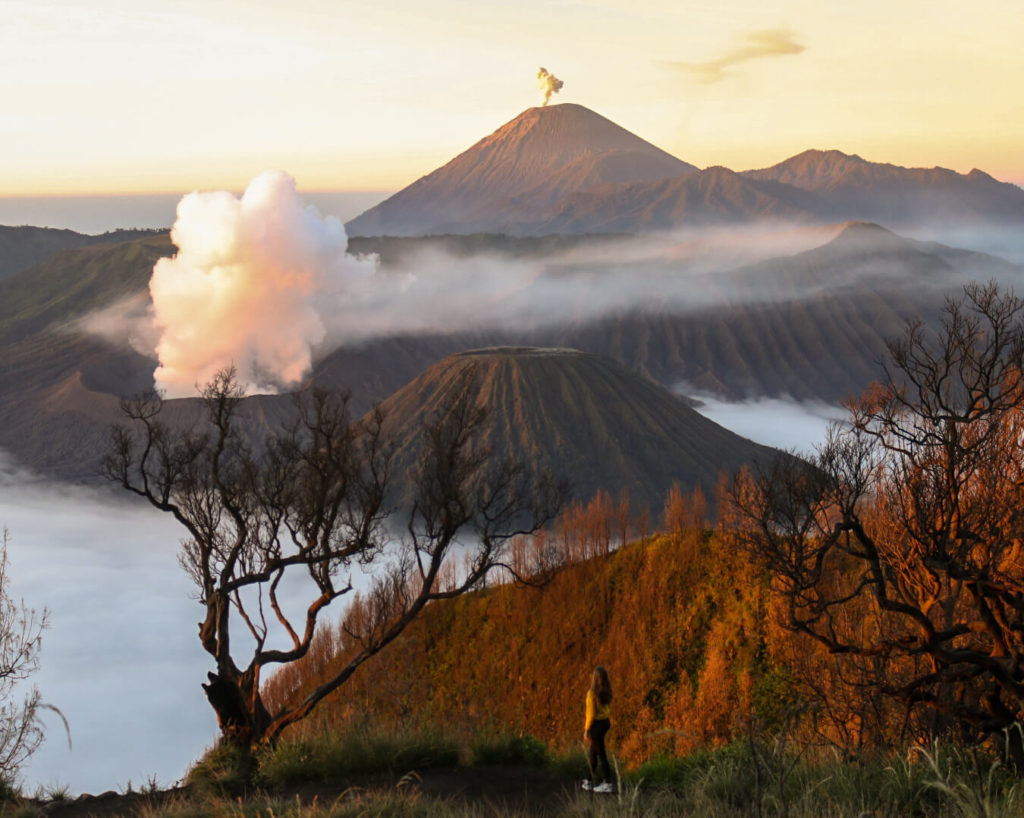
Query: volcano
[
  {"x": 565, "y": 169},
  {"x": 521, "y": 170},
  {"x": 583, "y": 417}
]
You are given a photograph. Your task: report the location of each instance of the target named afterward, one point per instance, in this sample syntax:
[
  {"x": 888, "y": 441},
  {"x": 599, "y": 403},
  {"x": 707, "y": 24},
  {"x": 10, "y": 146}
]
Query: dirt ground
[{"x": 525, "y": 790}]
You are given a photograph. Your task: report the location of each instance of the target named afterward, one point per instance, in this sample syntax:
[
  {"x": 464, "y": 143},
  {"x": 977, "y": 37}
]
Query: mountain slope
[
  {"x": 566, "y": 169},
  {"x": 74, "y": 282},
  {"x": 811, "y": 326},
  {"x": 681, "y": 622},
  {"x": 714, "y": 196},
  {"x": 586, "y": 418},
  {"x": 522, "y": 168}
]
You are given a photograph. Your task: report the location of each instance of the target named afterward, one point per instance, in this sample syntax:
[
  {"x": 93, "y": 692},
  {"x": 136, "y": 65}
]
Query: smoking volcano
[
  {"x": 247, "y": 286},
  {"x": 520, "y": 170}
]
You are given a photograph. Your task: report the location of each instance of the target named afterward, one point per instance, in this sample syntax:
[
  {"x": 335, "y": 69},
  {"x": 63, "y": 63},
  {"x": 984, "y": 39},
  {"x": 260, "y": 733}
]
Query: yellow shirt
[{"x": 596, "y": 710}]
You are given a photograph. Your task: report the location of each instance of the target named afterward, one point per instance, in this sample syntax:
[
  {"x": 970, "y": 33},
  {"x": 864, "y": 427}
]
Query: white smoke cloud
[
  {"x": 245, "y": 286},
  {"x": 548, "y": 83},
  {"x": 129, "y": 320}
]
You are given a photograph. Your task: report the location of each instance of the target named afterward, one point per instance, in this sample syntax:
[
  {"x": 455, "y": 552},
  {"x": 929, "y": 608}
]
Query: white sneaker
[
  {"x": 586, "y": 785},
  {"x": 605, "y": 787}
]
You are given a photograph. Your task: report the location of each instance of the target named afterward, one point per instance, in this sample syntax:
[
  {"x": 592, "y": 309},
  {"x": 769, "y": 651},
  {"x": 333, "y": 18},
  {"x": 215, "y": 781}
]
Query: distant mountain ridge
[
  {"x": 24, "y": 246},
  {"x": 853, "y": 188},
  {"x": 566, "y": 169},
  {"x": 73, "y": 282}
]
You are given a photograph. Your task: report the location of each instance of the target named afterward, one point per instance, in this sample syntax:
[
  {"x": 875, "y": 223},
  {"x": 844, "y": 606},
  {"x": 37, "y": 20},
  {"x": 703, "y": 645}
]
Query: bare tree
[
  {"x": 21, "y": 630},
  {"x": 902, "y": 545},
  {"x": 313, "y": 500}
]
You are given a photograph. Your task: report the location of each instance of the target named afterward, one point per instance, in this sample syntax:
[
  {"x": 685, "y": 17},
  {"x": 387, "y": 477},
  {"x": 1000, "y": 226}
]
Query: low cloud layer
[
  {"x": 779, "y": 422},
  {"x": 264, "y": 282},
  {"x": 121, "y": 658},
  {"x": 758, "y": 45}
]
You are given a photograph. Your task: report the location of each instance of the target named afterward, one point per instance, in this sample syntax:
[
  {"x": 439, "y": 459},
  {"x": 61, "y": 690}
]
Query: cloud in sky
[{"x": 761, "y": 44}]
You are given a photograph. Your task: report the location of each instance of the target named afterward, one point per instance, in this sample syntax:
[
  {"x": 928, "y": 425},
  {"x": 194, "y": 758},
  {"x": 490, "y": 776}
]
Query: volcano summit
[{"x": 506, "y": 180}]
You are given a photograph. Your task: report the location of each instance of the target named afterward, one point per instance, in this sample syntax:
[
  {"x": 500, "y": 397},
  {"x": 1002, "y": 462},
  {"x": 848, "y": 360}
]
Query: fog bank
[
  {"x": 120, "y": 659},
  {"x": 779, "y": 422}
]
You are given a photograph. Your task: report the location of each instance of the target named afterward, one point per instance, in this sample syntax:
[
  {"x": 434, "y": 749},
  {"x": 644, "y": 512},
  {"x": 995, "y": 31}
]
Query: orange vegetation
[{"x": 681, "y": 619}]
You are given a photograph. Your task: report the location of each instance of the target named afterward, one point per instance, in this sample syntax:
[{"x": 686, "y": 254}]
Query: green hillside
[{"x": 75, "y": 282}]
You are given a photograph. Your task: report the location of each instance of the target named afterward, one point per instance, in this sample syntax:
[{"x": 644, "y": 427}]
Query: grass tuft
[{"x": 222, "y": 771}]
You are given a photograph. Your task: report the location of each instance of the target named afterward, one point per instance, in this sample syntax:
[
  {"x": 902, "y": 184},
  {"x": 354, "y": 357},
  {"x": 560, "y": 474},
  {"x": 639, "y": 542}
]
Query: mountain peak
[
  {"x": 856, "y": 228},
  {"x": 832, "y": 155},
  {"x": 521, "y": 169},
  {"x": 583, "y": 416},
  {"x": 860, "y": 236},
  {"x": 980, "y": 176},
  {"x": 811, "y": 169}
]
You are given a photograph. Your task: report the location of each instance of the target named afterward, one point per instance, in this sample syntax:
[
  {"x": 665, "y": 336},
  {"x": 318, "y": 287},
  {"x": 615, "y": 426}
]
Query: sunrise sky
[{"x": 132, "y": 96}]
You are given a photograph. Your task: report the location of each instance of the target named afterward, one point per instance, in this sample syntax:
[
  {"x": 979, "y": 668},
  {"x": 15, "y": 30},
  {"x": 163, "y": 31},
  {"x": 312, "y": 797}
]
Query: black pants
[{"x": 598, "y": 756}]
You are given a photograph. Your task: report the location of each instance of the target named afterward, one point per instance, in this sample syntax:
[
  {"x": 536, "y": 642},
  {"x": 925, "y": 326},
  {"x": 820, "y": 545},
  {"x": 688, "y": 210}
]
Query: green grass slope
[{"x": 75, "y": 282}]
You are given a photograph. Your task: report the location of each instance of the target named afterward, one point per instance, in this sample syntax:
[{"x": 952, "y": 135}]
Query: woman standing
[{"x": 599, "y": 710}]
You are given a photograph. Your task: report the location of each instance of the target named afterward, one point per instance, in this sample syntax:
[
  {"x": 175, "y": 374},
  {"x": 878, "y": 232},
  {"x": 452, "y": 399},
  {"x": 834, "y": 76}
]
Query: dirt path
[{"x": 524, "y": 790}]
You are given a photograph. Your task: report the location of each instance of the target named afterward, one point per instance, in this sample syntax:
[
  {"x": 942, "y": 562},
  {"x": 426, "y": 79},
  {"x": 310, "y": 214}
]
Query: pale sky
[{"x": 111, "y": 96}]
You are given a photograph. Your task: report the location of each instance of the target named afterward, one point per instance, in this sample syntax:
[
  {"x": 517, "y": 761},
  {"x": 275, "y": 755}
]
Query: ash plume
[
  {"x": 548, "y": 83},
  {"x": 246, "y": 286},
  {"x": 773, "y": 42}
]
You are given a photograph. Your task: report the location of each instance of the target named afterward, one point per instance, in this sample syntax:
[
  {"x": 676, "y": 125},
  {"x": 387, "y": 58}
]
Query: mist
[
  {"x": 429, "y": 290},
  {"x": 780, "y": 422},
  {"x": 266, "y": 283},
  {"x": 120, "y": 658}
]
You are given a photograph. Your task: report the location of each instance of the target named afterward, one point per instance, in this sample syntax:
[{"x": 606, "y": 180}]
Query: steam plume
[
  {"x": 759, "y": 44},
  {"x": 548, "y": 83},
  {"x": 245, "y": 286}
]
